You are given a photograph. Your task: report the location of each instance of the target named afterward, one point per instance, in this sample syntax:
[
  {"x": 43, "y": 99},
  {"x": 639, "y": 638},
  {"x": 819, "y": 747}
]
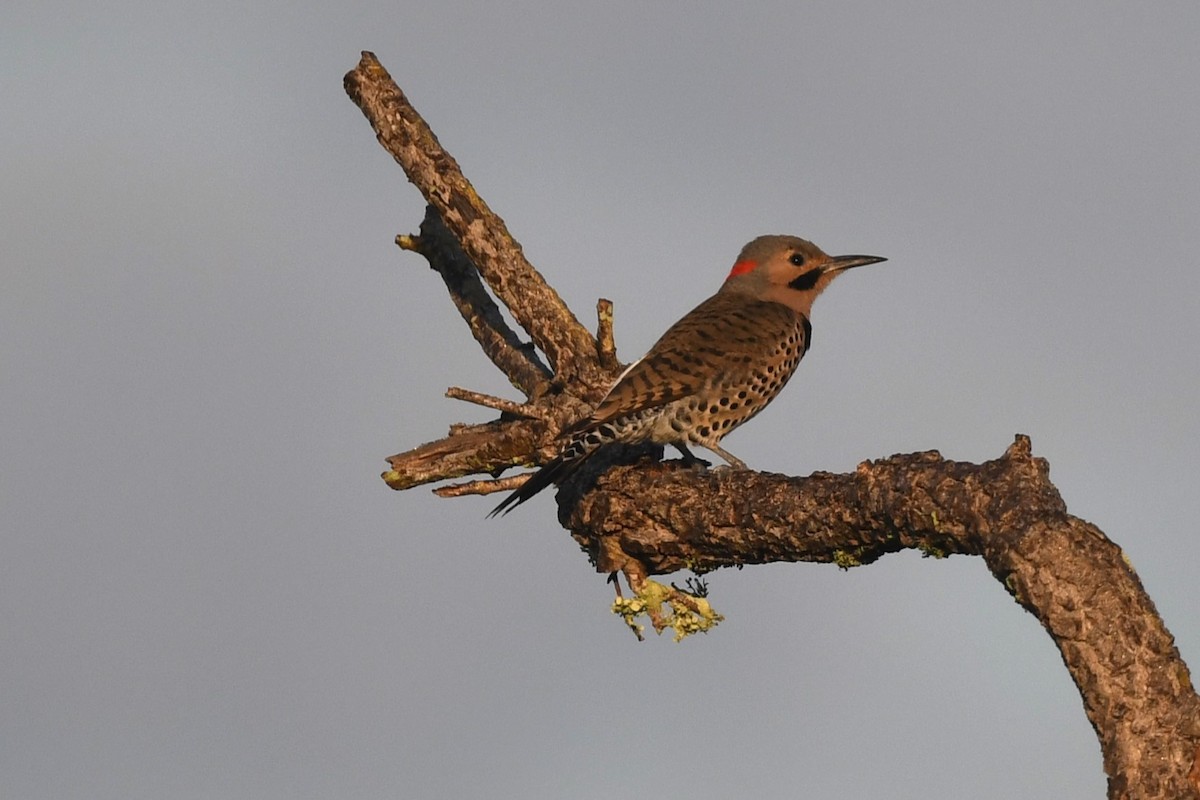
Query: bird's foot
[
  {"x": 690, "y": 459},
  {"x": 734, "y": 461}
]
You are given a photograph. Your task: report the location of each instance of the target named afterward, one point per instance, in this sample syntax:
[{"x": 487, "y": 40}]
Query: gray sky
[{"x": 209, "y": 345}]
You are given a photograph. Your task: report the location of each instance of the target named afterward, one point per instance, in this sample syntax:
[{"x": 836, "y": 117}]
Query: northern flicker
[{"x": 716, "y": 367}]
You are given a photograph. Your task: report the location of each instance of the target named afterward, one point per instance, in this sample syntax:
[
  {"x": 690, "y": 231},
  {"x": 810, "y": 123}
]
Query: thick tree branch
[
  {"x": 667, "y": 517},
  {"x": 655, "y": 518},
  {"x": 641, "y": 517}
]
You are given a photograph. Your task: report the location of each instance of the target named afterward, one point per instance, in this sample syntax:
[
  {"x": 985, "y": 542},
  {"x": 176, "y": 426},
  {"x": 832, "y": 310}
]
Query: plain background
[{"x": 209, "y": 344}]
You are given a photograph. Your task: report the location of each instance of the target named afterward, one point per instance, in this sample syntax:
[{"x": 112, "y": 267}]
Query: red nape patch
[{"x": 741, "y": 268}]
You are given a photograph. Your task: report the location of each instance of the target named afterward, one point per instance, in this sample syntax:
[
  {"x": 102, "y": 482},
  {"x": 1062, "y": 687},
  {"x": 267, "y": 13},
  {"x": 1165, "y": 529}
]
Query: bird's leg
[
  {"x": 689, "y": 458},
  {"x": 733, "y": 460}
]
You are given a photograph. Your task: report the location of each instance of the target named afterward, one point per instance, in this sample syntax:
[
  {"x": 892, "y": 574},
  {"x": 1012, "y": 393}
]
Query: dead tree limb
[
  {"x": 481, "y": 233},
  {"x": 642, "y": 517}
]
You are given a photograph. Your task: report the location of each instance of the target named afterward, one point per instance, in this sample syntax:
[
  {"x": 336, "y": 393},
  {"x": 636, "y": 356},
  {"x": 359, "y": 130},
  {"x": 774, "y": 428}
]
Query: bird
[{"x": 714, "y": 369}]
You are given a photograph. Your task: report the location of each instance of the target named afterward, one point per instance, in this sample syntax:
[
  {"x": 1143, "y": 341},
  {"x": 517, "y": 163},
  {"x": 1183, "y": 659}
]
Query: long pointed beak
[{"x": 839, "y": 263}]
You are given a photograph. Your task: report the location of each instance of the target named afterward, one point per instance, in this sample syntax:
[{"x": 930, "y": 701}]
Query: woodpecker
[{"x": 715, "y": 368}]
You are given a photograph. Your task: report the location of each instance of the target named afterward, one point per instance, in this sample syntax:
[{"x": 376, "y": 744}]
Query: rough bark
[{"x": 636, "y": 515}]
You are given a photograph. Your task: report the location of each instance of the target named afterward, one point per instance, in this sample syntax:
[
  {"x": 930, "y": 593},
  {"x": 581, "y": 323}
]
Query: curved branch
[{"x": 653, "y": 519}]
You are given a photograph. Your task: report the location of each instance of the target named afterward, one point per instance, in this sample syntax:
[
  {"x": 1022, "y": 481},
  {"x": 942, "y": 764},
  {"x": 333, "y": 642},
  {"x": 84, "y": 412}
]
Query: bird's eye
[{"x": 797, "y": 259}]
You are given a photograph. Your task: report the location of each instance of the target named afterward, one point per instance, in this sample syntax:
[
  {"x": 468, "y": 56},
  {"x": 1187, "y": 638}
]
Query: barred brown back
[{"x": 713, "y": 370}]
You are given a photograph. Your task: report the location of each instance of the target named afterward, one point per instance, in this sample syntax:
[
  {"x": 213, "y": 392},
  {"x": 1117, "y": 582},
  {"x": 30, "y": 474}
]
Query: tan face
[{"x": 788, "y": 270}]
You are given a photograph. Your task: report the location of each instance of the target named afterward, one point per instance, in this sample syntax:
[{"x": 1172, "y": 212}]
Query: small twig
[
  {"x": 606, "y": 346},
  {"x": 483, "y": 487},
  {"x": 498, "y": 403}
]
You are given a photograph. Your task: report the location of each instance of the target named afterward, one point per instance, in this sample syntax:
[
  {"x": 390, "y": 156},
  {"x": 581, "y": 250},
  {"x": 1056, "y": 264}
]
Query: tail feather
[{"x": 550, "y": 473}]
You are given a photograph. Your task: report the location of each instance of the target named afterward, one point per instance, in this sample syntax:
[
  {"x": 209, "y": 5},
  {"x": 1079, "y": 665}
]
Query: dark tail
[{"x": 552, "y": 472}]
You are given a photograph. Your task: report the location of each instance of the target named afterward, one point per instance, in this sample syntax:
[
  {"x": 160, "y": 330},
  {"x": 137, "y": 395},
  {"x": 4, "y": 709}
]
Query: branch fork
[{"x": 653, "y": 518}]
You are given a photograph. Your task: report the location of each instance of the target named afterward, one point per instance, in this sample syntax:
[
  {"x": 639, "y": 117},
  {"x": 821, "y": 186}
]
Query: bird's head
[{"x": 788, "y": 270}]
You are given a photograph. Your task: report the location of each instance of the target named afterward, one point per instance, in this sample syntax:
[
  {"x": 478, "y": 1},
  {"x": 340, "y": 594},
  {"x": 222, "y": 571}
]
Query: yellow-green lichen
[
  {"x": 629, "y": 610},
  {"x": 687, "y": 614},
  {"x": 845, "y": 559},
  {"x": 929, "y": 550}
]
